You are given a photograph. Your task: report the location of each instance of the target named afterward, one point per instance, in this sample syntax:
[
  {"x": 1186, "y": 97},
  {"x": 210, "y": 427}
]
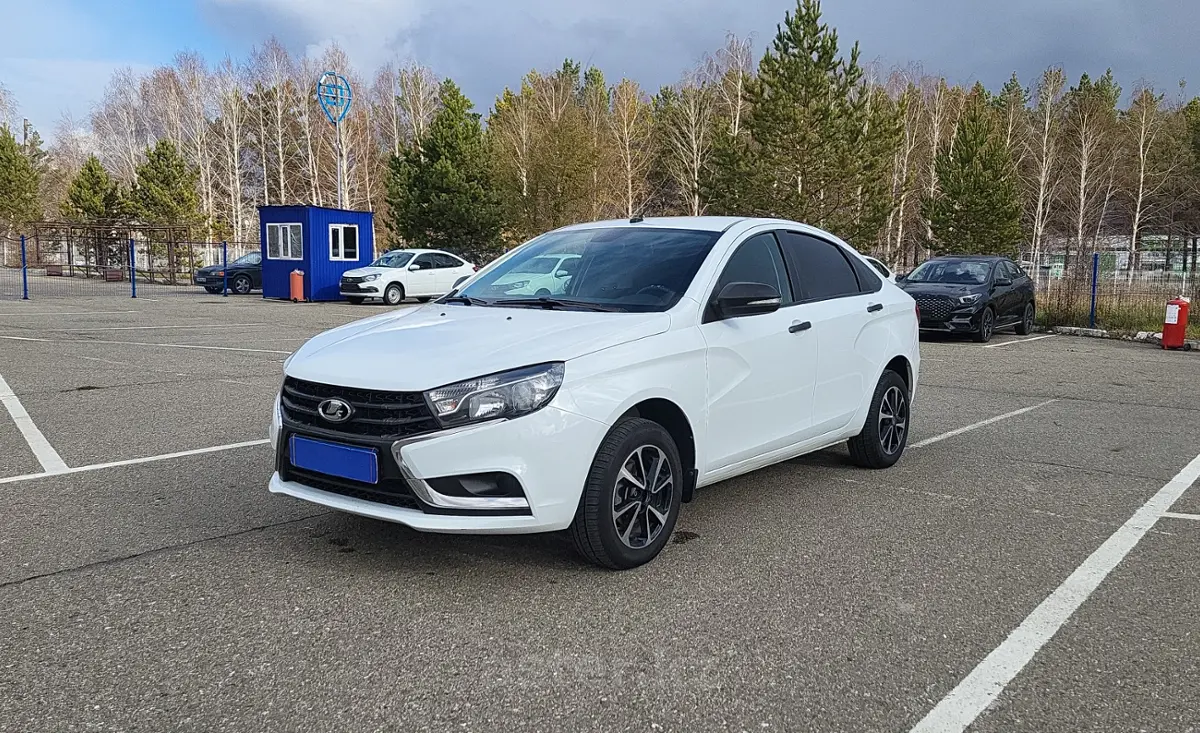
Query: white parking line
[
  {"x": 134, "y": 461},
  {"x": 1018, "y": 341},
  {"x": 159, "y": 328},
  {"x": 42, "y": 450},
  {"x": 984, "y": 684},
  {"x": 64, "y": 313},
  {"x": 142, "y": 343},
  {"x": 1181, "y": 515},
  {"x": 980, "y": 424}
]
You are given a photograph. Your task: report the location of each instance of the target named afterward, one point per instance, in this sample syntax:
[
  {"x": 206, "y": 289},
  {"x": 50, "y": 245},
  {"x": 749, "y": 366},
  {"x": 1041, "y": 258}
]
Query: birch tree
[
  {"x": 687, "y": 115},
  {"x": 1091, "y": 117},
  {"x": 418, "y": 99},
  {"x": 631, "y": 135},
  {"x": 1143, "y": 124},
  {"x": 1043, "y": 154},
  {"x": 229, "y": 83},
  {"x": 117, "y": 122}
]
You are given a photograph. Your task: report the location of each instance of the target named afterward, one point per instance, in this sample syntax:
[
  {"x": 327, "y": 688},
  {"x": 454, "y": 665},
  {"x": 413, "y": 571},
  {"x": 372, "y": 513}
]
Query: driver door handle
[
  {"x": 797, "y": 327},
  {"x": 874, "y": 307}
]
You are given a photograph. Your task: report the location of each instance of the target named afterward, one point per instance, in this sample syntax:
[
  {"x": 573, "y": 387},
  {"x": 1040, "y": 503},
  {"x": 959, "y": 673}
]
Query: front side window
[
  {"x": 819, "y": 268},
  {"x": 343, "y": 242},
  {"x": 638, "y": 269},
  {"x": 284, "y": 242},
  {"x": 951, "y": 272},
  {"x": 757, "y": 260},
  {"x": 423, "y": 262}
]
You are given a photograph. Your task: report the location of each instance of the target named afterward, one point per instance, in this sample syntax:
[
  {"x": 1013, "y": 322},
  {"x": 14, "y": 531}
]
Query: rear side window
[
  {"x": 819, "y": 269},
  {"x": 757, "y": 260},
  {"x": 868, "y": 280},
  {"x": 442, "y": 260}
]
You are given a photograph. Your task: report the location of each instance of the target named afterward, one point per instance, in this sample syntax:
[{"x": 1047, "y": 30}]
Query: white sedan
[
  {"x": 682, "y": 352},
  {"x": 405, "y": 273}
]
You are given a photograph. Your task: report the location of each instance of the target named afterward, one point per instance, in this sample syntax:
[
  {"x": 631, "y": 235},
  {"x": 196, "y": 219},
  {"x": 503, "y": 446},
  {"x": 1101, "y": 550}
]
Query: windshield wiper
[
  {"x": 555, "y": 303},
  {"x": 463, "y": 300}
]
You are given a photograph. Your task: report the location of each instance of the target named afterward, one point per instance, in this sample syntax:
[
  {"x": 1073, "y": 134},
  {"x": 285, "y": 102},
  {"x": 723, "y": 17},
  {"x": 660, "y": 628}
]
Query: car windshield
[
  {"x": 639, "y": 269},
  {"x": 535, "y": 266},
  {"x": 393, "y": 259},
  {"x": 251, "y": 259},
  {"x": 955, "y": 272}
]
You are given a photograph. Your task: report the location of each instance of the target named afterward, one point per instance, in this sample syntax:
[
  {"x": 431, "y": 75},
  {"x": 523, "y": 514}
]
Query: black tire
[
  {"x": 1025, "y": 327},
  {"x": 355, "y": 301},
  {"x": 240, "y": 285},
  {"x": 213, "y": 290},
  {"x": 424, "y": 299},
  {"x": 542, "y": 293},
  {"x": 393, "y": 294},
  {"x": 596, "y": 530},
  {"x": 875, "y": 447},
  {"x": 987, "y": 326}
]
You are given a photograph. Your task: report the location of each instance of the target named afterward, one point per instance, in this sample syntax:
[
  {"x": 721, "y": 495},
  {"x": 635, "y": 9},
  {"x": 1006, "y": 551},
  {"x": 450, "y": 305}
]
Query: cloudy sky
[{"x": 58, "y": 54}]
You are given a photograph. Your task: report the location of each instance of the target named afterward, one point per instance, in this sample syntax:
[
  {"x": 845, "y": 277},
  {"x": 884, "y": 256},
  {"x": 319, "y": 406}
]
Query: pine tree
[
  {"x": 165, "y": 192},
  {"x": 93, "y": 195},
  {"x": 441, "y": 195},
  {"x": 978, "y": 207},
  {"x": 18, "y": 182},
  {"x": 819, "y": 134}
]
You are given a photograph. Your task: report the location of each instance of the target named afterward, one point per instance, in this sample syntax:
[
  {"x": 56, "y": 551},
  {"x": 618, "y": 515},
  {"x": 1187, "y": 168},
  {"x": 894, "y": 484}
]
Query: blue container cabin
[{"x": 321, "y": 242}]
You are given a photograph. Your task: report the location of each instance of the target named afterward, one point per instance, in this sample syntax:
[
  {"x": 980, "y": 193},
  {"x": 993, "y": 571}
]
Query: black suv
[{"x": 971, "y": 295}]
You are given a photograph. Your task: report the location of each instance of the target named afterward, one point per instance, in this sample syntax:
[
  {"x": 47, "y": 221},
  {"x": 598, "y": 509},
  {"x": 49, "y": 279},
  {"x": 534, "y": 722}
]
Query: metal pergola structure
[{"x": 102, "y": 249}]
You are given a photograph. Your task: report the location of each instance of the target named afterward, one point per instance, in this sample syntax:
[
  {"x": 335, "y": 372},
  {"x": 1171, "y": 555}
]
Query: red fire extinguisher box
[{"x": 1174, "y": 333}]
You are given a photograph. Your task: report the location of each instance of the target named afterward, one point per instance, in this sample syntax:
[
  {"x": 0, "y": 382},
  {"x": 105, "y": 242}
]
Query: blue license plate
[{"x": 332, "y": 459}]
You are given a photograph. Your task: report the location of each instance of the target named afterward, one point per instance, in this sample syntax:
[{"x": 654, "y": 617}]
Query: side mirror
[
  {"x": 561, "y": 274},
  {"x": 414, "y": 268},
  {"x": 900, "y": 277},
  {"x": 460, "y": 281},
  {"x": 1002, "y": 281},
  {"x": 747, "y": 299}
]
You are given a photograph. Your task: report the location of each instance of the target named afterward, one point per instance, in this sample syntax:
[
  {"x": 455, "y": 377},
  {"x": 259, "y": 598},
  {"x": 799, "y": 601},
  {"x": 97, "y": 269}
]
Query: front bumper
[
  {"x": 963, "y": 320},
  {"x": 361, "y": 290},
  {"x": 549, "y": 453}
]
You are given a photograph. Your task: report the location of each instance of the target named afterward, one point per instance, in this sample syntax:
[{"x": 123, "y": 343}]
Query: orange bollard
[{"x": 297, "y": 286}]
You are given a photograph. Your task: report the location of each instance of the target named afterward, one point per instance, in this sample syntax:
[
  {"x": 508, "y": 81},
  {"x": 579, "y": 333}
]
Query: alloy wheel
[
  {"x": 1029, "y": 317},
  {"x": 642, "y": 497},
  {"x": 893, "y": 420},
  {"x": 986, "y": 324}
]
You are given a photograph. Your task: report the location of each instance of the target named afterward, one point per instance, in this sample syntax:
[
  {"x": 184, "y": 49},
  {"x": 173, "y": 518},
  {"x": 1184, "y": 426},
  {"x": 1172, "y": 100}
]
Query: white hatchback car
[
  {"x": 682, "y": 352},
  {"x": 405, "y": 273}
]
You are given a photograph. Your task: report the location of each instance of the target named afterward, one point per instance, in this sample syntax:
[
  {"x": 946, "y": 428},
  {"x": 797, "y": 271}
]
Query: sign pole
[{"x": 335, "y": 96}]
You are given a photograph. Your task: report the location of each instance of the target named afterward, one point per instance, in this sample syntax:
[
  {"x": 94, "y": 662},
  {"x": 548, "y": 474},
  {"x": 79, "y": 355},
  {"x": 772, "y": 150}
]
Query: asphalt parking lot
[{"x": 1030, "y": 565}]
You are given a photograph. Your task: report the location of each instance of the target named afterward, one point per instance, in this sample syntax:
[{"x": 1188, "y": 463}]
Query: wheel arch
[{"x": 675, "y": 421}]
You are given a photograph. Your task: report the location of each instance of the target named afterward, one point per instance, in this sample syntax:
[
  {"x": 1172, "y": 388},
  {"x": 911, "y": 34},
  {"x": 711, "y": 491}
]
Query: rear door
[
  {"x": 761, "y": 369},
  {"x": 421, "y": 281},
  {"x": 1005, "y": 292},
  {"x": 840, "y": 308},
  {"x": 448, "y": 269}
]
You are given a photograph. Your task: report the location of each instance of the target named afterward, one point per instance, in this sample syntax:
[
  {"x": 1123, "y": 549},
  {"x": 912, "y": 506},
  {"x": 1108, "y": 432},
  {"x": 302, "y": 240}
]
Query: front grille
[
  {"x": 934, "y": 307},
  {"x": 377, "y": 414},
  {"x": 351, "y": 279},
  {"x": 393, "y": 492}
]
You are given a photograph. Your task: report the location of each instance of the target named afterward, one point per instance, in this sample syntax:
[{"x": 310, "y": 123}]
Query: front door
[
  {"x": 421, "y": 279},
  {"x": 761, "y": 369}
]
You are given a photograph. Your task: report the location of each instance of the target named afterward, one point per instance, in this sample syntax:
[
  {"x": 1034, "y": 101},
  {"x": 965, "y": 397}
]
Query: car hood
[
  {"x": 434, "y": 345},
  {"x": 361, "y": 271},
  {"x": 948, "y": 289}
]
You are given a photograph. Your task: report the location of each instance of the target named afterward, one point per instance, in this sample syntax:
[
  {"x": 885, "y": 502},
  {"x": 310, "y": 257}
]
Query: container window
[
  {"x": 343, "y": 242},
  {"x": 283, "y": 242}
]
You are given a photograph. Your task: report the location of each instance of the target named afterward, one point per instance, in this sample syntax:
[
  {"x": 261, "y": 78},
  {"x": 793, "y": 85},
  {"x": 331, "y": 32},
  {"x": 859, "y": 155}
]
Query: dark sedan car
[
  {"x": 971, "y": 295},
  {"x": 243, "y": 275}
]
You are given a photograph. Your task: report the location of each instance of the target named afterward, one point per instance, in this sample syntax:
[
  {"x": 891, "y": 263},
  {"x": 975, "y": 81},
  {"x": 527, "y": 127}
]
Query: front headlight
[
  {"x": 968, "y": 299},
  {"x": 504, "y": 395},
  {"x": 371, "y": 278}
]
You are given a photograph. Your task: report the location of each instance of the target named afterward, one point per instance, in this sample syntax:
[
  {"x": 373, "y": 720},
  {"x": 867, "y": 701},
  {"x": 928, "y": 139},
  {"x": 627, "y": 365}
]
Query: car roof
[{"x": 977, "y": 258}]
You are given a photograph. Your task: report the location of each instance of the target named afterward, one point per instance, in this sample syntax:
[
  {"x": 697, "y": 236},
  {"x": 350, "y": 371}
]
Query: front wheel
[
  {"x": 632, "y": 496},
  {"x": 885, "y": 434},
  {"x": 240, "y": 285},
  {"x": 394, "y": 294},
  {"x": 1025, "y": 327},
  {"x": 987, "y": 326}
]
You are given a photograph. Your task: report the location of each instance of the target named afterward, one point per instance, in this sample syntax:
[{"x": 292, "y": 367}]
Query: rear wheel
[
  {"x": 1025, "y": 327},
  {"x": 885, "y": 434},
  {"x": 394, "y": 294},
  {"x": 987, "y": 326},
  {"x": 632, "y": 496}
]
